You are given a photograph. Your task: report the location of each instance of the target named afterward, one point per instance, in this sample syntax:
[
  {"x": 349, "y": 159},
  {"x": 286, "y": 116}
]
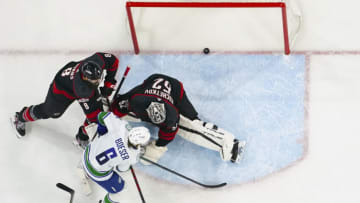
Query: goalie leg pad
[{"x": 207, "y": 135}]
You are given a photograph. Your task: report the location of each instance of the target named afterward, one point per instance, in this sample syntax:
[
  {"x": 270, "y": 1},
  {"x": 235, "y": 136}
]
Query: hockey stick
[
  {"x": 118, "y": 88},
  {"x": 122, "y": 80},
  {"x": 187, "y": 178},
  {"x": 116, "y": 92},
  {"x": 131, "y": 168},
  {"x": 137, "y": 184},
  {"x": 67, "y": 189}
]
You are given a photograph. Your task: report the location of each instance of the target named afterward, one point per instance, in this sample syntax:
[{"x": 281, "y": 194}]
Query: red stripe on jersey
[
  {"x": 118, "y": 113},
  {"x": 57, "y": 91},
  {"x": 102, "y": 67},
  {"x": 109, "y": 84},
  {"x": 167, "y": 136},
  {"x": 114, "y": 65},
  {"x": 181, "y": 90},
  {"x": 92, "y": 117}
]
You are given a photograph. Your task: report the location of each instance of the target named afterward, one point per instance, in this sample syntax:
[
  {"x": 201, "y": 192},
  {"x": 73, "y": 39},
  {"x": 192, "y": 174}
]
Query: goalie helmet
[{"x": 139, "y": 136}]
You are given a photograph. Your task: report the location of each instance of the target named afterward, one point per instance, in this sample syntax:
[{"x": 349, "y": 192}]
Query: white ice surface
[{"x": 30, "y": 167}]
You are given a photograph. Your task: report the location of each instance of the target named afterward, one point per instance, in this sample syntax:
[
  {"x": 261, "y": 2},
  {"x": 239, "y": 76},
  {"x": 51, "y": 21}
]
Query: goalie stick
[
  {"x": 67, "y": 189},
  {"x": 122, "y": 80},
  {"x": 187, "y": 178}
]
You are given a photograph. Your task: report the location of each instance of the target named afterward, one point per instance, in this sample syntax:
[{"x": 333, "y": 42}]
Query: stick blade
[
  {"x": 64, "y": 187},
  {"x": 214, "y": 186}
]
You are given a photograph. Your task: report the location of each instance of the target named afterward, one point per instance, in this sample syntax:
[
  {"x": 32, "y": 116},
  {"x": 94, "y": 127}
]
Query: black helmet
[{"x": 91, "y": 70}]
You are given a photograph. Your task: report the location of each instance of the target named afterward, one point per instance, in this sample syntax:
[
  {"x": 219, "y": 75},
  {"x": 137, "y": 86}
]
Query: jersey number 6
[{"x": 104, "y": 157}]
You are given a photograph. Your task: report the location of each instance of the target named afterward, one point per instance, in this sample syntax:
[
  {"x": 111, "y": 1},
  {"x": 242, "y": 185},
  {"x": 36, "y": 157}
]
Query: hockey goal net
[{"x": 195, "y": 24}]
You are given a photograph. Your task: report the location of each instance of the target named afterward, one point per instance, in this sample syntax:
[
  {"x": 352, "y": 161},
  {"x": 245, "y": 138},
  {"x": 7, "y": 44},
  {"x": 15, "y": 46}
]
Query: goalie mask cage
[{"x": 281, "y": 5}]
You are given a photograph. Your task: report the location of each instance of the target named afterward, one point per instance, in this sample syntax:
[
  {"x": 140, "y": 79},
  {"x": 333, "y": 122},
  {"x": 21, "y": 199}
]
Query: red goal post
[{"x": 280, "y": 4}]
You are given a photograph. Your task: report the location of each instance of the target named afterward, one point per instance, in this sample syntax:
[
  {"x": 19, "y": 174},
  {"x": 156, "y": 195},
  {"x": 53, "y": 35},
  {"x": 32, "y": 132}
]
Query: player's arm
[
  {"x": 156, "y": 149},
  {"x": 102, "y": 129},
  {"x": 166, "y": 134},
  {"x": 111, "y": 63},
  {"x": 120, "y": 104}
]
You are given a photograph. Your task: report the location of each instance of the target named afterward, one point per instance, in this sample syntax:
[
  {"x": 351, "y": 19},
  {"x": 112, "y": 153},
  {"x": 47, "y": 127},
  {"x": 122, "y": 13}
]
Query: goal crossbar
[{"x": 281, "y": 5}]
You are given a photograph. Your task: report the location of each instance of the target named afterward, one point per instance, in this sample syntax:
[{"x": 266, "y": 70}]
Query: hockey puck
[{"x": 206, "y": 50}]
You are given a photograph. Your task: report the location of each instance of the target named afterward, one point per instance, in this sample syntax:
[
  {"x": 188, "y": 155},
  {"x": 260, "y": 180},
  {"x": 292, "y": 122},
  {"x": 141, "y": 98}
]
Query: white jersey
[{"x": 110, "y": 150}]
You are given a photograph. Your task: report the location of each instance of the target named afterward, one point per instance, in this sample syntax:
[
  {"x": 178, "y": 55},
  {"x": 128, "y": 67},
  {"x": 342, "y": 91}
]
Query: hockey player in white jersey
[{"x": 116, "y": 148}]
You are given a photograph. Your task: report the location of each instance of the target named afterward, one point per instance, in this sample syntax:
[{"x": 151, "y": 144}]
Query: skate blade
[
  {"x": 14, "y": 129},
  {"x": 241, "y": 149}
]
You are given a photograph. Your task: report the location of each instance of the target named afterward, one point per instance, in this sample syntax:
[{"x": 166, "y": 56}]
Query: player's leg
[
  {"x": 53, "y": 107},
  {"x": 186, "y": 108},
  {"x": 108, "y": 180},
  {"x": 212, "y": 137},
  {"x": 115, "y": 187}
]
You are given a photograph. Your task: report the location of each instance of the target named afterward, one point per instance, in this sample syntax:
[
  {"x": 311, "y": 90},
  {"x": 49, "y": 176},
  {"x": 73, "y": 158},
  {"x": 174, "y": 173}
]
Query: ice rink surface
[{"x": 299, "y": 113}]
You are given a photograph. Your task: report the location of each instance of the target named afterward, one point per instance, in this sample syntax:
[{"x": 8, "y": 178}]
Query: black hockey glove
[
  {"x": 121, "y": 103},
  {"x": 106, "y": 91}
]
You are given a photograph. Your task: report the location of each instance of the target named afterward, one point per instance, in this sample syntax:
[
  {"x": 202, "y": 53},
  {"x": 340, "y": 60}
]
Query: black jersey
[
  {"x": 147, "y": 101},
  {"x": 69, "y": 85}
]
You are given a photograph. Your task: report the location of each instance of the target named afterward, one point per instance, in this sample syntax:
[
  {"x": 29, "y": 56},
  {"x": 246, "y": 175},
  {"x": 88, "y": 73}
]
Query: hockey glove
[
  {"x": 153, "y": 153},
  {"x": 82, "y": 139},
  {"x": 106, "y": 91}
]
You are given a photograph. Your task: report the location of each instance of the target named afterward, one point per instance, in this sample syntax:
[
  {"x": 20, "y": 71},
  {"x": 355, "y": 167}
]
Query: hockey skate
[
  {"x": 18, "y": 125},
  {"x": 237, "y": 151}
]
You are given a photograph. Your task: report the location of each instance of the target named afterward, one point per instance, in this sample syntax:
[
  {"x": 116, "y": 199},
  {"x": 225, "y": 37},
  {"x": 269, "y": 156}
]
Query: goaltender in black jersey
[{"x": 162, "y": 101}]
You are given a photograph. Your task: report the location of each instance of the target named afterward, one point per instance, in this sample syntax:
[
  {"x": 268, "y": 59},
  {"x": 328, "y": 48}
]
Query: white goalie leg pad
[
  {"x": 210, "y": 136},
  {"x": 153, "y": 153}
]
